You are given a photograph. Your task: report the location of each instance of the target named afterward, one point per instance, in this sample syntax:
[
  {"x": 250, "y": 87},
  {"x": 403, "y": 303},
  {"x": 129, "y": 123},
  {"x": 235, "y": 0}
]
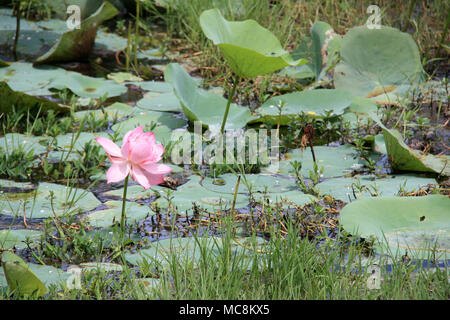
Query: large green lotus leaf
[
  {"x": 346, "y": 188},
  {"x": 160, "y": 102},
  {"x": 37, "y": 204},
  {"x": 226, "y": 183},
  {"x": 20, "y": 277},
  {"x": 106, "y": 217},
  {"x": 88, "y": 87},
  {"x": 201, "y": 105},
  {"x": 404, "y": 158},
  {"x": 187, "y": 249},
  {"x": 375, "y": 61},
  {"x": 193, "y": 192},
  {"x": 17, "y": 238},
  {"x": 78, "y": 43},
  {"x": 336, "y": 161},
  {"x": 249, "y": 49},
  {"x": 16, "y": 100},
  {"x": 415, "y": 224},
  {"x": 314, "y": 102}
]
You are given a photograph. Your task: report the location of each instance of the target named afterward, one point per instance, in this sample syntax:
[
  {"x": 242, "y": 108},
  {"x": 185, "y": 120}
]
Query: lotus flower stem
[
  {"x": 16, "y": 38},
  {"x": 124, "y": 200},
  {"x": 128, "y": 55},
  {"x": 230, "y": 97},
  {"x": 136, "y": 33},
  {"x": 235, "y": 194}
]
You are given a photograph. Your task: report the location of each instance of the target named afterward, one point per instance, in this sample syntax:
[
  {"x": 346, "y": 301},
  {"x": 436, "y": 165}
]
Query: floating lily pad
[
  {"x": 336, "y": 161},
  {"x": 201, "y": 105},
  {"x": 102, "y": 266},
  {"x": 17, "y": 238},
  {"x": 313, "y": 102},
  {"x": 346, "y": 188},
  {"x": 67, "y": 141},
  {"x": 116, "y": 110},
  {"x": 109, "y": 41},
  {"x": 107, "y": 217},
  {"x": 134, "y": 192},
  {"x": 377, "y": 61},
  {"x": 121, "y": 77},
  {"x": 8, "y": 184},
  {"x": 188, "y": 249},
  {"x": 13, "y": 141},
  {"x": 192, "y": 192},
  {"x": 249, "y": 49},
  {"x": 226, "y": 183},
  {"x": 37, "y": 204},
  {"x": 285, "y": 199},
  {"x": 161, "y": 102},
  {"x": 23, "y": 101},
  {"x": 165, "y": 124},
  {"x": 78, "y": 43},
  {"x": 416, "y": 224},
  {"x": 31, "y": 80},
  {"x": 88, "y": 87},
  {"x": 31, "y": 43}
]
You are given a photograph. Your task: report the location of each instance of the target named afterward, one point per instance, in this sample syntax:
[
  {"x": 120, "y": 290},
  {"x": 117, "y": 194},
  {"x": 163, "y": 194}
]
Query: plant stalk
[
  {"x": 16, "y": 38},
  {"x": 230, "y": 97},
  {"x": 136, "y": 34},
  {"x": 124, "y": 200}
]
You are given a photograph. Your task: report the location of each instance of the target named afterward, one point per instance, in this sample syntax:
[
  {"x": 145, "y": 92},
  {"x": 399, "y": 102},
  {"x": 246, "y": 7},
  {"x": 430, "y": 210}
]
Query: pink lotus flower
[{"x": 138, "y": 157}]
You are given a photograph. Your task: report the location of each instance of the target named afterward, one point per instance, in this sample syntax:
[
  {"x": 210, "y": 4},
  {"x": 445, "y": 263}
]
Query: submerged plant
[{"x": 138, "y": 157}]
